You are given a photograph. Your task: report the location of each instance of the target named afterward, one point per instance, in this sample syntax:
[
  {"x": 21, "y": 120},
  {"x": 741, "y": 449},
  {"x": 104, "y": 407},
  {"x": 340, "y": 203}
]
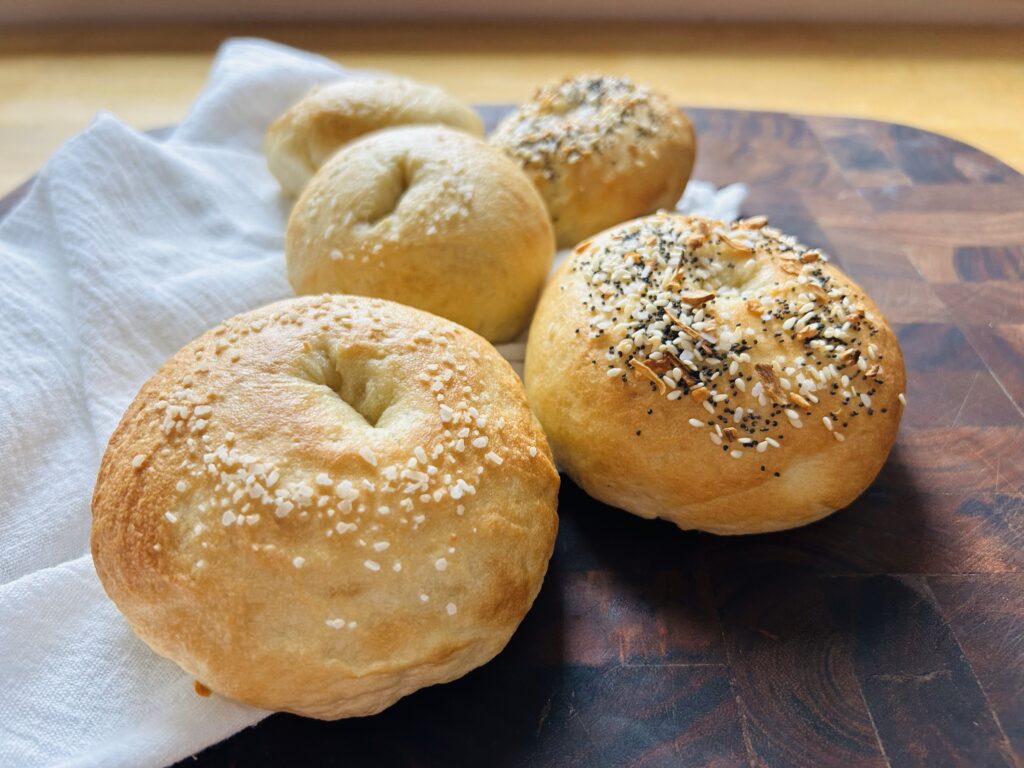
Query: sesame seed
[
  {"x": 737, "y": 454},
  {"x": 137, "y": 461},
  {"x": 902, "y": 398},
  {"x": 827, "y": 422},
  {"x": 838, "y": 436},
  {"x": 532, "y": 450},
  {"x": 613, "y": 372},
  {"x": 181, "y": 486},
  {"x": 696, "y": 423},
  {"x": 380, "y": 546},
  {"x": 424, "y": 597},
  {"x": 371, "y": 565},
  {"x": 171, "y": 517}
]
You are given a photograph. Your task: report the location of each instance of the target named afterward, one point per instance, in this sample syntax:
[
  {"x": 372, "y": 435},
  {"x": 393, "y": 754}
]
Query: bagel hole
[
  {"x": 361, "y": 387},
  {"x": 395, "y": 182},
  {"x": 735, "y": 275}
]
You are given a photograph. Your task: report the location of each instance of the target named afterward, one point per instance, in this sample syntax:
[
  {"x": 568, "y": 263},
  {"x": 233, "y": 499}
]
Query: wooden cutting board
[{"x": 891, "y": 633}]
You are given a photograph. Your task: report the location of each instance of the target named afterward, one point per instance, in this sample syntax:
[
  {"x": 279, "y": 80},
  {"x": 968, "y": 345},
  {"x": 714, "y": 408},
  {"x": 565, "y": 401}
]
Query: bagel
[
  {"x": 428, "y": 217},
  {"x": 600, "y": 150},
  {"x": 330, "y": 116},
  {"x": 721, "y": 376},
  {"x": 325, "y": 504}
]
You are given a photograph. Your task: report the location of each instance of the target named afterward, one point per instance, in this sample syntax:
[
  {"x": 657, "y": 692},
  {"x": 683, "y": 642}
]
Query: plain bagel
[{"x": 330, "y": 116}]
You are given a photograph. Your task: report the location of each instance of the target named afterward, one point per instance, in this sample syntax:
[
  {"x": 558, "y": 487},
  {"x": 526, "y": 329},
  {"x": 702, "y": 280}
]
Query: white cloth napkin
[{"x": 125, "y": 249}]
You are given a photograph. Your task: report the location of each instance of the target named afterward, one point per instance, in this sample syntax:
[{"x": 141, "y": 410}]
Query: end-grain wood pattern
[{"x": 890, "y": 634}]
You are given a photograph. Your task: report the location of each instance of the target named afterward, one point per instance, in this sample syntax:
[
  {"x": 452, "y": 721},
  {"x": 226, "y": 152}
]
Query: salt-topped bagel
[
  {"x": 429, "y": 217},
  {"x": 600, "y": 150},
  {"x": 721, "y": 376},
  {"x": 325, "y": 504}
]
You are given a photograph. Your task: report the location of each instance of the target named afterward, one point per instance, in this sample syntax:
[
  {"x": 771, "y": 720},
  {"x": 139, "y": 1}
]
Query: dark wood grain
[
  {"x": 927, "y": 704},
  {"x": 986, "y": 612},
  {"x": 891, "y": 633}
]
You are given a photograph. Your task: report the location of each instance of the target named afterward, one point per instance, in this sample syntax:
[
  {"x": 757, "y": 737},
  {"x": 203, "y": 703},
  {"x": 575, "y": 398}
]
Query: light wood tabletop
[{"x": 966, "y": 83}]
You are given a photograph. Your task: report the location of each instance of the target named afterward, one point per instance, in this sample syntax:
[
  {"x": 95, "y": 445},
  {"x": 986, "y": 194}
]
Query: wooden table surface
[{"x": 966, "y": 83}]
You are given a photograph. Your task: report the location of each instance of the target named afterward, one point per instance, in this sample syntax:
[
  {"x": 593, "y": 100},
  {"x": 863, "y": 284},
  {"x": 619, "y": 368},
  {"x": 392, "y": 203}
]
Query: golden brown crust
[
  {"x": 428, "y": 217},
  {"x": 600, "y": 150},
  {"x": 325, "y": 504},
  {"x": 720, "y": 376},
  {"x": 330, "y": 116}
]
